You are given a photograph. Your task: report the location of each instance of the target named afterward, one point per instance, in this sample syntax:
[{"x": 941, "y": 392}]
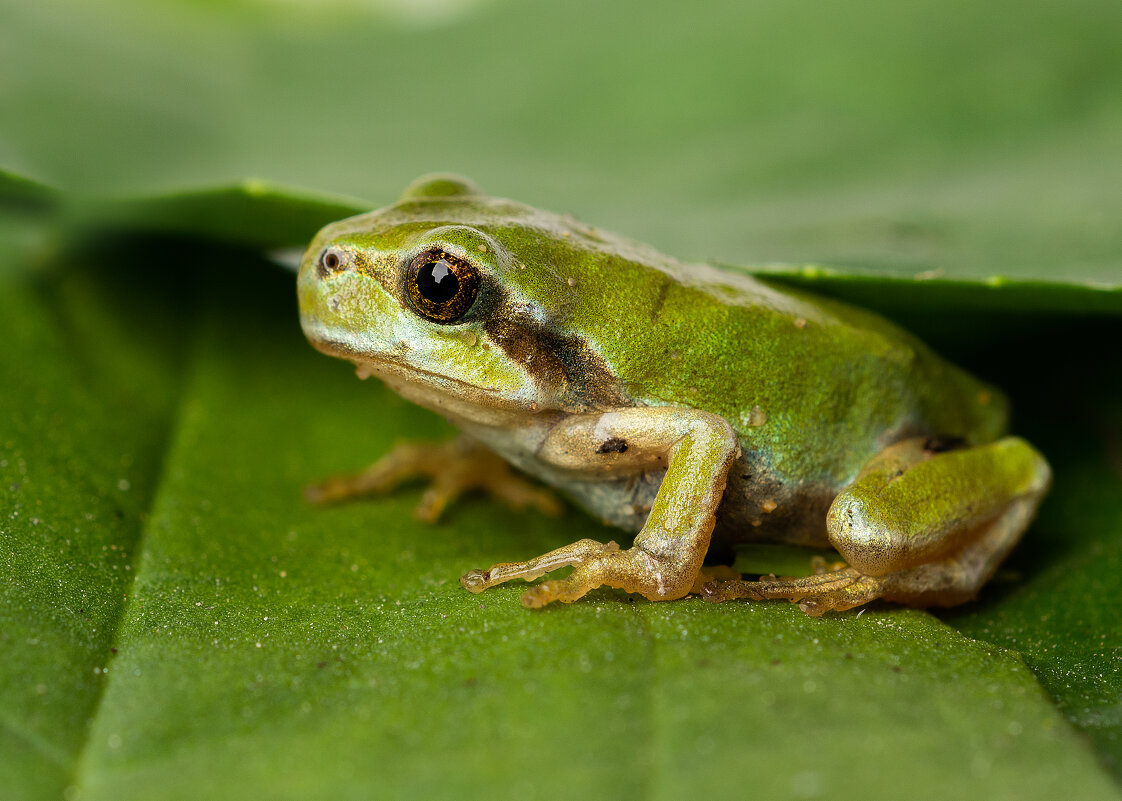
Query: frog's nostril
[{"x": 329, "y": 262}]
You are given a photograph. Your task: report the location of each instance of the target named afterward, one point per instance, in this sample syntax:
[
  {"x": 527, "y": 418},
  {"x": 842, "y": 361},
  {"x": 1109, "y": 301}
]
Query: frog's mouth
[
  {"x": 442, "y": 393},
  {"x": 384, "y": 368}
]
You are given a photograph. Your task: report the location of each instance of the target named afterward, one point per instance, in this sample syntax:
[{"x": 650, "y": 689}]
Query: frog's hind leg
[
  {"x": 836, "y": 590},
  {"x": 920, "y": 525}
]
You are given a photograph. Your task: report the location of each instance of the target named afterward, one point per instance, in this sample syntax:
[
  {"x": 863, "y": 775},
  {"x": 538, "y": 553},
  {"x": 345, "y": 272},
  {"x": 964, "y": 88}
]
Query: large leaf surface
[
  {"x": 90, "y": 377},
  {"x": 175, "y": 622},
  {"x": 253, "y": 645}
]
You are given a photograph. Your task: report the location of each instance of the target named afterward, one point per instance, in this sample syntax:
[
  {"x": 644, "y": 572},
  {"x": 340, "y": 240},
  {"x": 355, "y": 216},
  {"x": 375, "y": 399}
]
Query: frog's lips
[{"x": 385, "y": 368}]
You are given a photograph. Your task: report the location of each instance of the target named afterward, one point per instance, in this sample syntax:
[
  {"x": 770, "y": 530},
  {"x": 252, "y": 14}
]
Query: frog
[{"x": 693, "y": 406}]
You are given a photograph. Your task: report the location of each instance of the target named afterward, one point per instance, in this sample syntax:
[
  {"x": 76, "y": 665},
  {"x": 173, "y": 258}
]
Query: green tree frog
[{"x": 678, "y": 401}]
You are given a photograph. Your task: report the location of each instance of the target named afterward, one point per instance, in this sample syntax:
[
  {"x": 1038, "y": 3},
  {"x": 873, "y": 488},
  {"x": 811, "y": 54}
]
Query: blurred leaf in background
[
  {"x": 976, "y": 137},
  {"x": 176, "y": 623}
]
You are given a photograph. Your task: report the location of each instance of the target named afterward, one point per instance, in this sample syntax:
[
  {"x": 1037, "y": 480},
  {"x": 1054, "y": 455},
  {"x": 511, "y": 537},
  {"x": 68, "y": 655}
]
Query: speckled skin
[{"x": 572, "y": 321}]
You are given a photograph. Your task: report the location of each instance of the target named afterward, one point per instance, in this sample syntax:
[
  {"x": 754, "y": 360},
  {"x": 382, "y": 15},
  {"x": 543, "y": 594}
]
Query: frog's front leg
[
  {"x": 697, "y": 448},
  {"x": 453, "y": 468},
  {"x": 921, "y": 525}
]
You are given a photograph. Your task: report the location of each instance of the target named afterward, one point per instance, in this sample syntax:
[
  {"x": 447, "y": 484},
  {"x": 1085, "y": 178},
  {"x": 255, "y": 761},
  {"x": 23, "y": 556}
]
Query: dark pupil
[{"x": 437, "y": 283}]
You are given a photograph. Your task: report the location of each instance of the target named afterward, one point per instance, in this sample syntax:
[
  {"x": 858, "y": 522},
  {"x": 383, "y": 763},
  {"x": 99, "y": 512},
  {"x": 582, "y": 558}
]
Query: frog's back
[{"x": 812, "y": 386}]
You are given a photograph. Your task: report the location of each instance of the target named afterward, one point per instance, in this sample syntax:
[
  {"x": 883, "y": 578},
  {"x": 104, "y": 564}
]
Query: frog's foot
[
  {"x": 595, "y": 565},
  {"x": 574, "y": 554},
  {"x": 453, "y": 467},
  {"x": 836, "y": 589}
]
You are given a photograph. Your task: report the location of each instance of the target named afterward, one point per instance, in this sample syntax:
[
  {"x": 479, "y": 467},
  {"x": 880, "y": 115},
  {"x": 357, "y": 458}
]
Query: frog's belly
[
  {"x": 622, "y": 502},
  {"x": 756, "y": 507}
]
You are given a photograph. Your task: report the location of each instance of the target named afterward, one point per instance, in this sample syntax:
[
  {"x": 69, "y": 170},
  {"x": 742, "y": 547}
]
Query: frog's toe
[
  {"x": 436, "y": 499},
  {"x": 476, "y": 580},
  {"x": 452, "y": 469},
  {"x": 335, "y": 490},
  {"x": 546, "y": 593},
  {"x": 566, "y": 590},
  {"x": 472, "y": 467},
  {"x": 574, "y": 554},
  {"x": 634, "y": 570},
  {"x": 836, "y": 590}
]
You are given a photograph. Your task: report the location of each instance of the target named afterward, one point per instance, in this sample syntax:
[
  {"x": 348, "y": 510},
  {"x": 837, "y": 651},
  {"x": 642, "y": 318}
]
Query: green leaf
[
  {"x": 1056, "y": 607},
  {"x": 261, "y": 646},
  {"x": 90, "y": 385},
  {"x": 254, "y": 214},
  {"x": 19, "y": 189},
  {"x": 160, "y": 412}
]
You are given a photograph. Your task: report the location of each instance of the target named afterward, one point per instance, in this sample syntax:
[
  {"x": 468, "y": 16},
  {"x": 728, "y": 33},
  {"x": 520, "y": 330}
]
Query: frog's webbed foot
[
  {"x": 575, "y": 554},
  {"x": 595, "y": 564},
  {"x": 837, "y": 589},
  {"x": 453, "y": 468}
]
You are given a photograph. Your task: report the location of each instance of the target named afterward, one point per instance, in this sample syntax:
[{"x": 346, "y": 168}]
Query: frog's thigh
[
  {"x": 696, "y": 448},
  {"x": 935, "y": 526},
  {"x": 919, "y": 526}
]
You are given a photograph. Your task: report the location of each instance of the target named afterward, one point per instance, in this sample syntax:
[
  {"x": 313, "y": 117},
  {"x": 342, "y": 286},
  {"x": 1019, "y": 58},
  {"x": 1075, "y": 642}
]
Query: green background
[{"x": 176, "y": 623}]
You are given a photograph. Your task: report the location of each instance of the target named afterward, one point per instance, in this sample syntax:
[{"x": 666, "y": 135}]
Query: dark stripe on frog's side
[{"x": 565, "y": 362}]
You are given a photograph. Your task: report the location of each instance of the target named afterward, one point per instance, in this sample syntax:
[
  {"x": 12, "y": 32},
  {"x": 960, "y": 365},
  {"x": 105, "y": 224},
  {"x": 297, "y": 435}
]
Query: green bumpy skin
[{"x": 682, "y": 402}]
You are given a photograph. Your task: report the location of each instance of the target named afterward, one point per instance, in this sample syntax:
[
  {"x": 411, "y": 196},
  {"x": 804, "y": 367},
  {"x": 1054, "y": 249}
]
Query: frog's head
[{"x": 458, "y": 301}]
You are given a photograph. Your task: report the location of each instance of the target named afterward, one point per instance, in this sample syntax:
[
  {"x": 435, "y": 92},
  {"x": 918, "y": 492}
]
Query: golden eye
[{"x": 441, "y": 286}]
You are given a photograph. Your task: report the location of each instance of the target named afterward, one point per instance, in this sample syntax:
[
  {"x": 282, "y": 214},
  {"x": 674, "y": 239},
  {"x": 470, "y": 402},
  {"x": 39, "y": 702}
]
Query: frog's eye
[{"x": 441, "y": 286}]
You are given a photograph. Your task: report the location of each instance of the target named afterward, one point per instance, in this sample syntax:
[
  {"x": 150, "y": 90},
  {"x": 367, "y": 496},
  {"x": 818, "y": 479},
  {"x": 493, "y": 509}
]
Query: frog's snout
[{"x": 332, "y": 261}]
